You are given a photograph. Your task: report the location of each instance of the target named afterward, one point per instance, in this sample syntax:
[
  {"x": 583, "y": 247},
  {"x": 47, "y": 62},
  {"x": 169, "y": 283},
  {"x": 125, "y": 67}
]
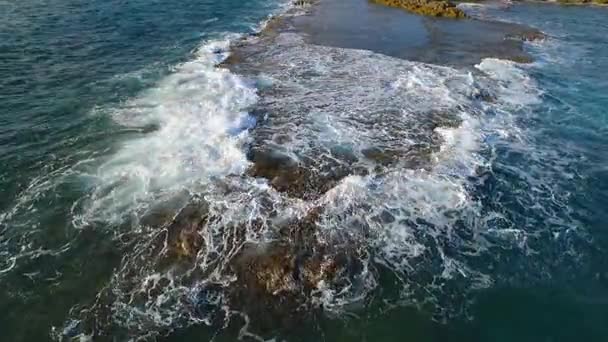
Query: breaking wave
[{"x": 200, "y": 120}]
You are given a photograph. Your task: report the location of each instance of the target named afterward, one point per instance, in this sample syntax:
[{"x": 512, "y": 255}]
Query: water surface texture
[{"x": 319, "y": 188}]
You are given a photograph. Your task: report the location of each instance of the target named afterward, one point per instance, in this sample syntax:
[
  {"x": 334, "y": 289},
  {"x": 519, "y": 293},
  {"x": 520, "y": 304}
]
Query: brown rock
[
  {"x": 184, "y": 239},
  {"x": 434, "y": 8},
  {"x": 294, "y": 178}
]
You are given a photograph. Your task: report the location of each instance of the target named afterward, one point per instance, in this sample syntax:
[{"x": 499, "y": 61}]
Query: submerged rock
[
  {"x": 528, "y": 35},
  {"x": 183, "y": 235},
  {"x": 289, "y": 279},
  {"x": 433, "y": 8},
  {"x": 295, "y": 178},
  {"x": 533, "y": 35}
]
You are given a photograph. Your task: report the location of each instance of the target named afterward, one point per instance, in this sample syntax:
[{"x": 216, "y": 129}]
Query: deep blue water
[
  {"x": 65, "y": 66},
  {"x": 69, "y": 69}
]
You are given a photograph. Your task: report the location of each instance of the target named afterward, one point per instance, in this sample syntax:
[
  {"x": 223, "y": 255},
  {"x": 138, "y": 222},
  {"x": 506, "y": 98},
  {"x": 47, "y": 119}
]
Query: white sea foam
[
  {"x": 459, "y": 152},
  {"x": 200, "y": 112},
  {"x": 414, "y": 211},
  {"x": 354, "y": 100},
  {"x": 513, "y": 85},
  {"x": 202, "y": 120}
]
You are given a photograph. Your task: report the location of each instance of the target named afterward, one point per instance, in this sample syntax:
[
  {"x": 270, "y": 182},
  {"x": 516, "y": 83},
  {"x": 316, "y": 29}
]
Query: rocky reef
[
  {"x": 238, "y": 251},
  {"x": 434, "y": 8}
]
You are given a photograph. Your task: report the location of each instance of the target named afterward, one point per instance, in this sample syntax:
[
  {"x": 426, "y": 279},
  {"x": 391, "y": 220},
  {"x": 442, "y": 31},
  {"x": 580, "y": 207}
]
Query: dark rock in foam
[{"x": 283, "y": 281}]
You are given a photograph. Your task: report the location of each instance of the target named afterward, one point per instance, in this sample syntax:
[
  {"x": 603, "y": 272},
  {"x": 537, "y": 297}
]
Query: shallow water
[
  {"x": 409, "y": 36},
  {"x": 462, "y": 202}
]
